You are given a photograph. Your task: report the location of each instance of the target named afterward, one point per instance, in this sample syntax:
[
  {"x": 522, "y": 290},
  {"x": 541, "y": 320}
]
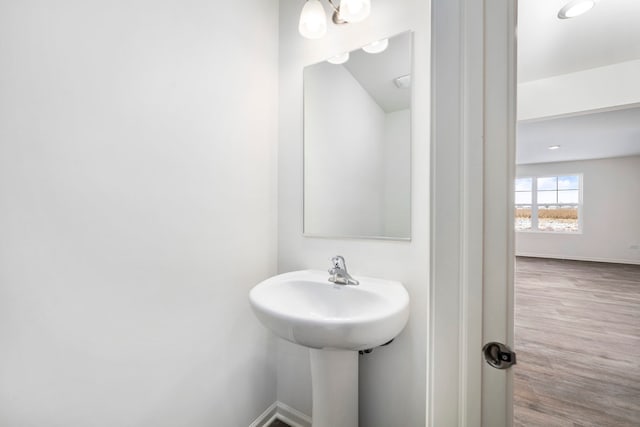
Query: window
[
  {"x": 524, "y": 201},
  {"x": 549, "y": 203}
]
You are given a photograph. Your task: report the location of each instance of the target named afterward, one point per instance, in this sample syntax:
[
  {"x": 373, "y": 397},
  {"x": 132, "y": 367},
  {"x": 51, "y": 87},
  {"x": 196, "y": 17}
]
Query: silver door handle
[{"x": 499, "y": 355}]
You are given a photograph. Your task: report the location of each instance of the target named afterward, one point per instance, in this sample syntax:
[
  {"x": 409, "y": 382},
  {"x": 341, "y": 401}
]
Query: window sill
[{"x": 570, "y": 233}]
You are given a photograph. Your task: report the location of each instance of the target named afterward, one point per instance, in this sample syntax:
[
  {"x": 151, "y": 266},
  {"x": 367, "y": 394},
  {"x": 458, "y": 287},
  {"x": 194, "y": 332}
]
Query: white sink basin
[
  {"x": 333, "y": 321},
  {"x": 305, "y": 308}
]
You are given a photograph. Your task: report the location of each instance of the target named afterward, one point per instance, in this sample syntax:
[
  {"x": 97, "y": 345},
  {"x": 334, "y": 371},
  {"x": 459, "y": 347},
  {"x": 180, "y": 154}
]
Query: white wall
[
  {"x": 601, "y": 88},
  {"x": 610, "y": 219},
  {"x": 137, "y": 209},
  {"x": 397, "y": 176},
  {"x": 392, "y": 378},
  {"x": 336, "y": 144}
]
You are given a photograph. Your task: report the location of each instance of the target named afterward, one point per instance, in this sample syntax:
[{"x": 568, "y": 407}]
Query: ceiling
[
  {"x": 587, "y": 136},
  {"x": 376, "y": 72},
  {"x": 548, "y": 46}
]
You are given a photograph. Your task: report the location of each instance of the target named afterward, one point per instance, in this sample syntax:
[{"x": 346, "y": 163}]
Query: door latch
[{"x": 499, "y": 355}]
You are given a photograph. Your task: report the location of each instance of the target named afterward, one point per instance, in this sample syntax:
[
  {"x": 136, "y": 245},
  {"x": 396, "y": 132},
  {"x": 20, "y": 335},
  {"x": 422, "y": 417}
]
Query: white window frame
[{"x": 534, "y": 204}]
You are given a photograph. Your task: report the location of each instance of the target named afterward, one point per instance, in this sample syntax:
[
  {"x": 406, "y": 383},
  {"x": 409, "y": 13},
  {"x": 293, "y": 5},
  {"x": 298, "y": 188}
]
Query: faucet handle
[
  {"x": 338, "y": 262},
  {"x": 339, "y": 274}
]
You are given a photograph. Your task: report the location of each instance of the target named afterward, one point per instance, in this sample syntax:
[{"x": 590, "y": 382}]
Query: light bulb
[
  {"x": 339, "y": 59},
  {"x": 576, "y": 8},
  {"x": 354, "y": 10},
  {"x": 377, "y": 46},
  {"x": 313, "y": 21}
]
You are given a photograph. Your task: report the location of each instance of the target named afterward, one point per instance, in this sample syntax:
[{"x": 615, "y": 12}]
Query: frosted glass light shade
[
  {"x": 377, "y": 46},
  {"x": 339, "y": 59},
  {"x": 313, "y": 21},
  {"x": 354, "y": 10}
]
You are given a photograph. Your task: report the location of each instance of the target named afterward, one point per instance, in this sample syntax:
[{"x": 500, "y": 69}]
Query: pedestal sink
[{"x": 334, "y": 321}]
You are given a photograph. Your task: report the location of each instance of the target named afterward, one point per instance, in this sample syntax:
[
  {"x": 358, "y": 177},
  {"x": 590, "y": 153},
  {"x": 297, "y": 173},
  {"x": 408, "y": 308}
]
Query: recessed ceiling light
[
  {"x": 576, "y": 8},
  {"x": 339, "y": 59},
  {"x": 553, "y": 147}
]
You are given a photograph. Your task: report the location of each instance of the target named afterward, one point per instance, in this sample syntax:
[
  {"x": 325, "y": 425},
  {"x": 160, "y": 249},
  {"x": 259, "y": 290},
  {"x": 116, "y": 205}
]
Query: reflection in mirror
[{"x": 357, "y": 143}]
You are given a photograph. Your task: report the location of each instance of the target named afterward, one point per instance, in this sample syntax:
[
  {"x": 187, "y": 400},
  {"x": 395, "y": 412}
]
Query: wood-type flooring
[{"x": 577, "y": 338}]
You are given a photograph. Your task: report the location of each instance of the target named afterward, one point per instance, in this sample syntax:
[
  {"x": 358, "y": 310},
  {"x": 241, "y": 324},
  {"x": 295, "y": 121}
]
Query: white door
[
  {"x": 498, "y": 230},
  {"x": 472, "y": 250}
]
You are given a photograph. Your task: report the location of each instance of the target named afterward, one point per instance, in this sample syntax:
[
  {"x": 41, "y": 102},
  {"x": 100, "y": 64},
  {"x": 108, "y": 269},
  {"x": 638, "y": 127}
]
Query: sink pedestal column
[{"x": 334, "y": 379}]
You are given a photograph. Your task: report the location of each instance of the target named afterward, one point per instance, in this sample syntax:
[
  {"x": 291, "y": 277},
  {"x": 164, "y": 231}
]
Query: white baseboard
[
  {"x": 580, "y": 258},
  {"x": 286, "y": 413},
  {"x": 292, "y": 416},
  {"x": 266, "y": 417}
]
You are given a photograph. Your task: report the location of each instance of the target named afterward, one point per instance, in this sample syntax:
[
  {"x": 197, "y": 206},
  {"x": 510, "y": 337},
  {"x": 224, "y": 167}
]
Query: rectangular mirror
[{"x": 357, "y": 143}]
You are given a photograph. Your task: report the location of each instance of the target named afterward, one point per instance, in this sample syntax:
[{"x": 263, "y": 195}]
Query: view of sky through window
[{"x": 548, "y": 203}]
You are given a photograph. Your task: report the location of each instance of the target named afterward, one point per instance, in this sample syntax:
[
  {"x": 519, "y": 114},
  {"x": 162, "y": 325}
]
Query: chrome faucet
[{"x": 339, "y": 273}]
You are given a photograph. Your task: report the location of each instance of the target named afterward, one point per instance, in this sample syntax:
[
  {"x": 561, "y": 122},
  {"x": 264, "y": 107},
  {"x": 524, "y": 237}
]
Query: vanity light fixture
[
  {"x": 339, "y": 59},
  {"x": 354, "y": 10},
  {"x": 377, "y": 46},
  {"x": 576, "y": 8},
  {"x": 313, "y": 21},
  {"x": 553, "y": 147}
]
